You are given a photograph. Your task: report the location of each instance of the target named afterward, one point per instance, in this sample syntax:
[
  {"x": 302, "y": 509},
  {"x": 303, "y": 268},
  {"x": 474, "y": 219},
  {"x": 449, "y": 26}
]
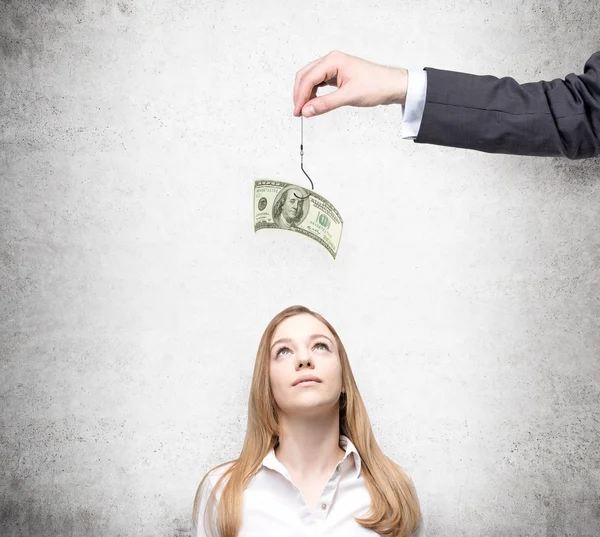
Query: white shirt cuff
[{"x": 412, "y": 111}]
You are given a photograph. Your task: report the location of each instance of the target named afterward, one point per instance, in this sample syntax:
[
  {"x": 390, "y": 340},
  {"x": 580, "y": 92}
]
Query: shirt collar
[{"x": 272, "y": 462}]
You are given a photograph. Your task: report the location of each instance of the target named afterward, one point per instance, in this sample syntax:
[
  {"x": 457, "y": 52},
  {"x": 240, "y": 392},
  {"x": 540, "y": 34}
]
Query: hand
[{"x": 359, "y": 83}]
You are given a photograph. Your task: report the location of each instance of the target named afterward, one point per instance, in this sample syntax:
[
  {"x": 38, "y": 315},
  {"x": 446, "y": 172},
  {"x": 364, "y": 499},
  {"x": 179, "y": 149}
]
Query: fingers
[
  {"x": 317, "y": 73},
  {"x": 319, "y": 105},
  {"x": 301, "y": 73}
]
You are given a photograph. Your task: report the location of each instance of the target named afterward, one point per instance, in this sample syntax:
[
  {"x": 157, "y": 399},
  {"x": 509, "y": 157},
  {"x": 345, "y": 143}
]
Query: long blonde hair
[{"x": 395, "y": 510}]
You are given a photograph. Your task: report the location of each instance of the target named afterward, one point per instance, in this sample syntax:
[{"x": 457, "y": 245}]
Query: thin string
[{"x": 312, "y": 186}]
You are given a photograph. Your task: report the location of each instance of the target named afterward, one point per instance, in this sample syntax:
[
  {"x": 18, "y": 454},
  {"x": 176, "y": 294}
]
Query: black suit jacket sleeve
[{"x": 499, "y": 115}]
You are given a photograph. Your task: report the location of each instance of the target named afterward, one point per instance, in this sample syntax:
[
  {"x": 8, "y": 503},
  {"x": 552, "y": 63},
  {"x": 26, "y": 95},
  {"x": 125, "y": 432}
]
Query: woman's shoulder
[
  {"x": 214, "y": 474},
  {"x": 400, "y": 468},
  {"x": 204, "y": 497}
]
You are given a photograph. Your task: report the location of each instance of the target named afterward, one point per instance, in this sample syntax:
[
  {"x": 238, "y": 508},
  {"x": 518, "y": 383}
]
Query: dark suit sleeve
[{"x": 499, "y": 115}]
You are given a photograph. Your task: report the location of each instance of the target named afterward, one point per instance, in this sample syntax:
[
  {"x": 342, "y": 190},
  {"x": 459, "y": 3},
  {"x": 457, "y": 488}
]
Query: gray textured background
[{"x": 134, "y": 291}]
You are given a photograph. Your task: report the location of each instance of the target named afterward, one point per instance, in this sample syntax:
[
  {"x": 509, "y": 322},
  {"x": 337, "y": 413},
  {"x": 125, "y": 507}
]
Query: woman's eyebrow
[
  {"x": 282, "y": 340},
  {"x": 315, "y": 336},
  {"x": 288, "y": 340}
]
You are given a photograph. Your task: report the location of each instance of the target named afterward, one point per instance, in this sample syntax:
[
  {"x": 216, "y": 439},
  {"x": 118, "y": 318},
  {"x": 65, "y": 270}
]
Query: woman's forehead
[{"x": 300, "y": 326}]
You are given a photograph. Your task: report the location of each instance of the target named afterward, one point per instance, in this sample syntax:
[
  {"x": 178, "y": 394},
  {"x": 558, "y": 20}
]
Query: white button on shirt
[{"x": 274, "y": 507}]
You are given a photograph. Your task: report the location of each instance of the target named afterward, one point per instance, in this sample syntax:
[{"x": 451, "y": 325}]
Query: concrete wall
[{"x": 133, "y": 290}]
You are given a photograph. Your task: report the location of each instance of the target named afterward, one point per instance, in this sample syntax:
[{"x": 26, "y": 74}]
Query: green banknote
[{"x": 277, "y": 205}]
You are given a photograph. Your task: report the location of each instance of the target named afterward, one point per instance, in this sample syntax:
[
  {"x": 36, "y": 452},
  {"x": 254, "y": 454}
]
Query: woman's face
[{"x": 303, "y": 345}]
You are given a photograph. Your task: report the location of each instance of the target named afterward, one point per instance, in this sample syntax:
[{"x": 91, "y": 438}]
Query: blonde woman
[{"x": 310, "y": 464}]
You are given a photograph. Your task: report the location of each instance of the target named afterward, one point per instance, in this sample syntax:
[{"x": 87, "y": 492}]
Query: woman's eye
[
  {"x": 322, "y": 346},
  {"x": 280, "y": 351}
]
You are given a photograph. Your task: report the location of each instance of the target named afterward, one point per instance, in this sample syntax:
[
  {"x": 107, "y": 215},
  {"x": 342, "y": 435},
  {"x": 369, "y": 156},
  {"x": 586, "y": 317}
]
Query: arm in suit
[{"x": 499, "y": 115}]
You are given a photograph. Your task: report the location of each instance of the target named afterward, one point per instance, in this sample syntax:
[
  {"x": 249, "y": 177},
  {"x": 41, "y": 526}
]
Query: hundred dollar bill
[{"x": 276, "y": 206}]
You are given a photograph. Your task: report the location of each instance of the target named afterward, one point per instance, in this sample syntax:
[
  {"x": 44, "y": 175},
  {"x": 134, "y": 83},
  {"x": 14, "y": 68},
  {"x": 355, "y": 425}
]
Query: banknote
[{"x": 277, "y": 205}]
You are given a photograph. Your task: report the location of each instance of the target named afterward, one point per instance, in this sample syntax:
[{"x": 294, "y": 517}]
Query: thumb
[{"x": 326, "y": 103}]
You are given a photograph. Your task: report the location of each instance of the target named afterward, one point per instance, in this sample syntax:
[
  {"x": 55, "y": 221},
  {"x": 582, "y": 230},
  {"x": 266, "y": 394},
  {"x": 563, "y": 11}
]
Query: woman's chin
[{"x": 313, "y": 407}]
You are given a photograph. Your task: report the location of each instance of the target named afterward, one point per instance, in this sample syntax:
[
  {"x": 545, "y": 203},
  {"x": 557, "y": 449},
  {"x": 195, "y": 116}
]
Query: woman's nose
[{"x": 304, "y": 360}]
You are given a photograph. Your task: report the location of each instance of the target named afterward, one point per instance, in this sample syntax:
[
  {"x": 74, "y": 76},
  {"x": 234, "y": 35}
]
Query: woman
[{"x": 310, "y": 464}]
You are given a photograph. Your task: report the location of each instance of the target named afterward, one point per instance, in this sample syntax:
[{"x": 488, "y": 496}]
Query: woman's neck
[{"x": 309, "y": 445}]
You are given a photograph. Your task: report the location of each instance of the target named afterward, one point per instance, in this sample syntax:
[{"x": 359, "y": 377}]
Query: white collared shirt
[{"x": 274, "y": 507}]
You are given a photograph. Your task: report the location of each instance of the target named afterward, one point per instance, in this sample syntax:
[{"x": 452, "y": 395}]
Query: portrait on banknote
[{"x": 289, "y": 208}]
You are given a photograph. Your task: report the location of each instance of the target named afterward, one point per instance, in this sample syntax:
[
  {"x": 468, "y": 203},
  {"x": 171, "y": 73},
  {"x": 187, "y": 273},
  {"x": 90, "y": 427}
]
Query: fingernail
[{"x": 309, "y": 111}]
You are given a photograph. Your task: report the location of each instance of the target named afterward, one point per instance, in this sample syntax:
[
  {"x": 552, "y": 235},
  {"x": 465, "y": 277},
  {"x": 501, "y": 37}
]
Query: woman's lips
[{"x": 307, "y": 379}]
